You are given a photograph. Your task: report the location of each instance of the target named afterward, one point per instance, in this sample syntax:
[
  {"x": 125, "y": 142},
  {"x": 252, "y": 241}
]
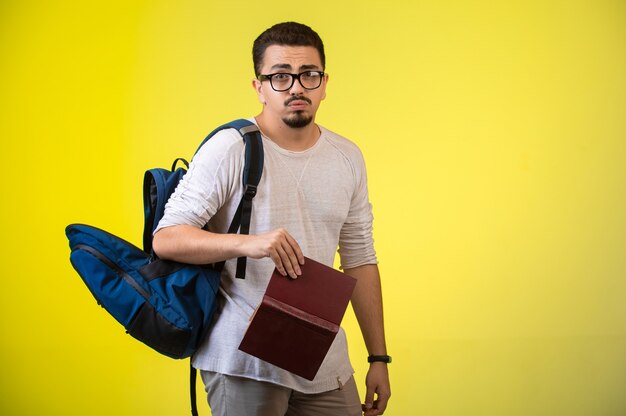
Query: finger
[
  {"x": 286, "y": 260},
  {"x": 296, "y": 248},
  {"x": 371, "y": 412},
  {"x": 381, "y": 404},
  {"x": 369, "y": 399},
  {"x": 279, "y": 252},
  {"x": 292, "y": 263},
  {"x": 273, "y": 254}
]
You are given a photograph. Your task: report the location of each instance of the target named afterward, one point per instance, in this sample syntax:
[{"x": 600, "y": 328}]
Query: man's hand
[
  {"x": 376, "y": 382},
  {"x": 281, "y": 247}
]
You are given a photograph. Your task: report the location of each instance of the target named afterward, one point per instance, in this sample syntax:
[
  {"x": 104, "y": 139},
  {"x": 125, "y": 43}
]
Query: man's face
[{"x": 297, "y": 106}]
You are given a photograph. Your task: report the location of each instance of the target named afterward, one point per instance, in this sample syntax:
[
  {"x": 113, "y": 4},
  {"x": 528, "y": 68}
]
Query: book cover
[{"x": 298, "y": 319}]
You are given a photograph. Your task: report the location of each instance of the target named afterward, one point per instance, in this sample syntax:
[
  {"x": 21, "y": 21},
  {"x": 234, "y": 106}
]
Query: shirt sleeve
[
  {"x": 208, "y": 183},
  {"x": 356, "y": 243}
]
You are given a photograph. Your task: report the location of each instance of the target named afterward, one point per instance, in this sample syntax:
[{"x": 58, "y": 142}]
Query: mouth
[
  {"x": 297, "y": 102},
  {"x": 298, "y": 105}
]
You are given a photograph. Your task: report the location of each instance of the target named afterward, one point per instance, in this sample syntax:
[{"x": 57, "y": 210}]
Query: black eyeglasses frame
[{"x": 294, "y": 77}]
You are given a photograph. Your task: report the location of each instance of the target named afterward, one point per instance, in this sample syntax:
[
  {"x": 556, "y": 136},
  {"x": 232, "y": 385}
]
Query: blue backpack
[{"x": 167, "y": 305}]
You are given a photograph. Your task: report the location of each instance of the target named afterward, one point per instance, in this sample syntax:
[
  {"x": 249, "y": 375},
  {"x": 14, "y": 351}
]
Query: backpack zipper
[{"x": 117, "y": 269}]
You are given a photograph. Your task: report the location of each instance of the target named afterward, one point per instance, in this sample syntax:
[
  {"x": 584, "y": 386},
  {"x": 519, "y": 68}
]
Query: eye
[{"x": 281, "y": 77}]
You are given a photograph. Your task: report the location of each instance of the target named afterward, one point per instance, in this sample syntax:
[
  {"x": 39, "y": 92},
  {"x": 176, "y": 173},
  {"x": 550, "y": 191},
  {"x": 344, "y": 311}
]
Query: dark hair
[{"x": 288, "y": 34}]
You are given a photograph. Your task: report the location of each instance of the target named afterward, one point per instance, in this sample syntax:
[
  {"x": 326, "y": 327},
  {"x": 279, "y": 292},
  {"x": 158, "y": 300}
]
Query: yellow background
[{"x": 495, "y": 138}]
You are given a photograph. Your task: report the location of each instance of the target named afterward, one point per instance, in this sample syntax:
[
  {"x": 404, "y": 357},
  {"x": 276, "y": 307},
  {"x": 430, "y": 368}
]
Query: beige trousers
[{"x": 238, "y": 396}]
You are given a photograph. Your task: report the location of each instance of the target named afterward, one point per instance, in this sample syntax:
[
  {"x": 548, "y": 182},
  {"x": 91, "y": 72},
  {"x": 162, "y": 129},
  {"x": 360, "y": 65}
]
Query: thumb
[{"x": 369, "y": 398}]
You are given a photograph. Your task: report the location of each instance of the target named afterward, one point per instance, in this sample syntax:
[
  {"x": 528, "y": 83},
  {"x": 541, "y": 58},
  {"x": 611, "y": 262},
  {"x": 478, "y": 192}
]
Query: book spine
[{"x": 301, "y": 315}]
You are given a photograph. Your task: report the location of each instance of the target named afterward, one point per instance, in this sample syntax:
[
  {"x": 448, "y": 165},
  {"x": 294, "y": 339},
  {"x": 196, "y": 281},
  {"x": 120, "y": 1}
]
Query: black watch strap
[{"x": 379, "y": 358}]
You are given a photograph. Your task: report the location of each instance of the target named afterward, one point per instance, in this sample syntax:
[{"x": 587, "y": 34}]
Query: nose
[{"x": 296, "y": 88}]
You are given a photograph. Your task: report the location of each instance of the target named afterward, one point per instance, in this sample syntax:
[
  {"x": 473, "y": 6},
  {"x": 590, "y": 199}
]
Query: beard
[{"x": 298, "y": 120}]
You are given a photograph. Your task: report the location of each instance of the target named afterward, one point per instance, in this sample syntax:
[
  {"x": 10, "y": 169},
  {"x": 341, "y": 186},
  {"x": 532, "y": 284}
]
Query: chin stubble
[{"x": 297, "y": 120}]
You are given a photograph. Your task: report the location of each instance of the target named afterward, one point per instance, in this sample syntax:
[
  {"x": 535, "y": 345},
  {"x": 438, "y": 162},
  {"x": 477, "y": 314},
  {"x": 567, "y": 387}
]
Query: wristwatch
[{"x": 379, "y": 358}]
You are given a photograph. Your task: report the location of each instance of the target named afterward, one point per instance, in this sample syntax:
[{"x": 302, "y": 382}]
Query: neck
[{"x": 289, "y": 138}]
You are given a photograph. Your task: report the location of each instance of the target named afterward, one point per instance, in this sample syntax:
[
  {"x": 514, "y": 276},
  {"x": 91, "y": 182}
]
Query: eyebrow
[{"x": 289, "y": 67}]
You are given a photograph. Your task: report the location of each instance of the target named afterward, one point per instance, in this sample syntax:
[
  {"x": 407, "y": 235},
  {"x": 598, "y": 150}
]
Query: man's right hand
[{"x": 281, "y": 247}]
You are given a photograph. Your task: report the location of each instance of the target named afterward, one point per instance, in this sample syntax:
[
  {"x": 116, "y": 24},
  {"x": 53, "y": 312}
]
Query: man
[{"x": 312, "y": 197}]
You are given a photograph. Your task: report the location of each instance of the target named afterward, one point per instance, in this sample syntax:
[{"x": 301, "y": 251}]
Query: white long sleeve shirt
[{"x": 319, "y": 196}]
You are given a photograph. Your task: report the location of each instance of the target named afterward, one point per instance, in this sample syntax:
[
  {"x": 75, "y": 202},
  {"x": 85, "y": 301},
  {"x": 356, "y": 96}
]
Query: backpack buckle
[{"x": 250, "y": 191}]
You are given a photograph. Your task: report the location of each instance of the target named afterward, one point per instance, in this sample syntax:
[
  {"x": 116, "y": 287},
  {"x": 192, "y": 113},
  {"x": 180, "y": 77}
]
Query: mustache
[{"x": 297, "y": 98}]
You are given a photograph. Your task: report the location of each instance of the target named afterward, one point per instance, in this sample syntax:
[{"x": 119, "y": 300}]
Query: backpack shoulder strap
[
  {"x": 253, "y": 165},
  {"x": 253, "y": 169},
  {"x": 192, "y": 389}
]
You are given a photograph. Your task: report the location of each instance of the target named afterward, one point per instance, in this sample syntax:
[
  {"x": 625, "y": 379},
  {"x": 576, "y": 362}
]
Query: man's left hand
[{"x": 377, "y": 383}]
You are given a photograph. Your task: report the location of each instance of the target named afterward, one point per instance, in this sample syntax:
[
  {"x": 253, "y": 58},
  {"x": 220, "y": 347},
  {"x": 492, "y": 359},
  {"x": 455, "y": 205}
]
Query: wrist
[{"x": 240, "y": 245}]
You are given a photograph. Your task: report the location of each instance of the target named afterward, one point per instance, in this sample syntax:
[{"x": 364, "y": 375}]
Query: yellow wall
[{"x": 495, "y": 138}]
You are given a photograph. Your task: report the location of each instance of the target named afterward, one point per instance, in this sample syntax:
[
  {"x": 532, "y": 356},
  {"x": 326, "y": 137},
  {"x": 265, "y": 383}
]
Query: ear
[
  {"x": 324, "y": 85},
  {"x": 258, "y": 87}
]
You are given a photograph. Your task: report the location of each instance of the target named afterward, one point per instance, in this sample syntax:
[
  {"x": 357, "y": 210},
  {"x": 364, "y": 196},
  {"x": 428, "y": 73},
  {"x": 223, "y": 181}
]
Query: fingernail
[
  {"x": 299, "y": 271},
  {"x": 368, "y": 405}
]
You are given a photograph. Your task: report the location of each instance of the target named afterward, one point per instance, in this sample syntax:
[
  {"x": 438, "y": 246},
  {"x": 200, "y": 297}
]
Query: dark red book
[{"x": 298, "y": 319}]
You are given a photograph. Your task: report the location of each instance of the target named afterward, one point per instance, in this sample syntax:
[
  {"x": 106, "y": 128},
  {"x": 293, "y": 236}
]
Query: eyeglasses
[{"x": 282, "y": 81}]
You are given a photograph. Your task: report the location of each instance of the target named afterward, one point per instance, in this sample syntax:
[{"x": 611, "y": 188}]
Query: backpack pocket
[{"x": 168, "y": 306}]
